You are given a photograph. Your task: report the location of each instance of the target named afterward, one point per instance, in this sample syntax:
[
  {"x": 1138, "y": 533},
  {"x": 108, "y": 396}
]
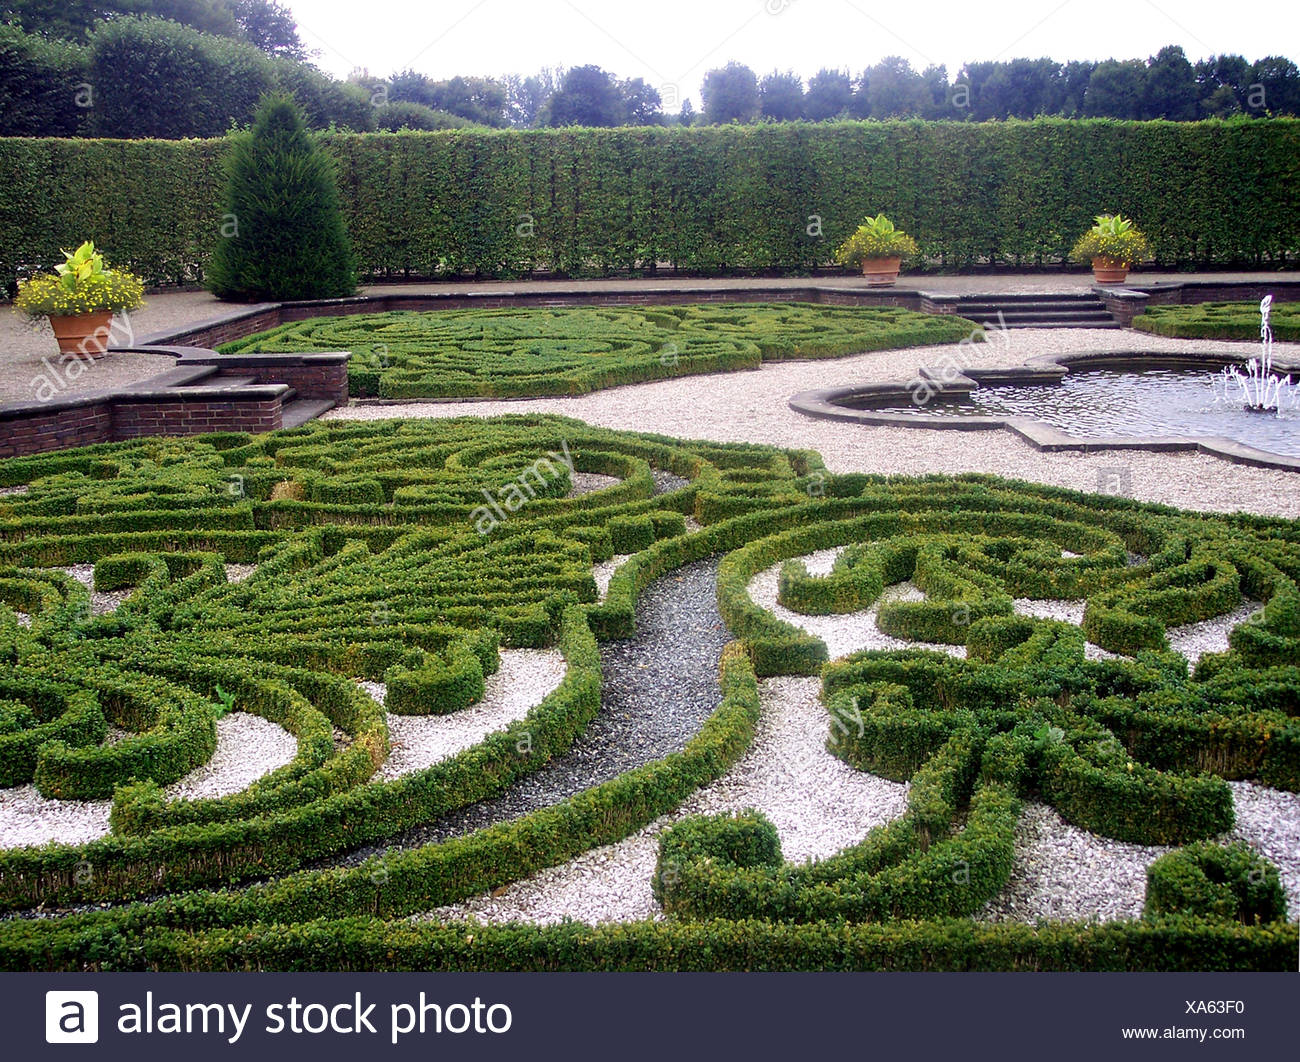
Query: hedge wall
[{"x": 708, "y": 201}]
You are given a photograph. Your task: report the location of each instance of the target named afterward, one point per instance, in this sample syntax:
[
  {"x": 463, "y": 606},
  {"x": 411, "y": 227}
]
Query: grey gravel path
[{"x": 659, "y": 687}]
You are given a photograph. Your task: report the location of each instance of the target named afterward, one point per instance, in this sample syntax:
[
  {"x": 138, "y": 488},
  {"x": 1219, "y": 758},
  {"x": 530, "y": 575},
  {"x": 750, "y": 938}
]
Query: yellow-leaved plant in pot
[
  {"x": 80, "y": 298},
  {"x": 879, "y": 247},
  {"x": 1113, "y": 245}
]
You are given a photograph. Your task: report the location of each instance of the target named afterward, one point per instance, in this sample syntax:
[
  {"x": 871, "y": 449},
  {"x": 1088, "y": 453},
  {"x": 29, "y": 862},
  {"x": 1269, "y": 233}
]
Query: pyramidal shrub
[{"x": 282, "y": 233}]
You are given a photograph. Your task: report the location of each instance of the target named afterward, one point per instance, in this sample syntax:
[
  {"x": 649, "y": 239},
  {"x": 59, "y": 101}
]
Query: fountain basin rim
[{"x": 830, "y": 404}]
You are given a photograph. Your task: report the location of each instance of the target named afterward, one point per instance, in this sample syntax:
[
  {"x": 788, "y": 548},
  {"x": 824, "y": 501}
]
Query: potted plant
[
  {"x": 879, "y": 247},
  {"x": 80, "y": 298},
  {"x": 1112, "y": 245}
]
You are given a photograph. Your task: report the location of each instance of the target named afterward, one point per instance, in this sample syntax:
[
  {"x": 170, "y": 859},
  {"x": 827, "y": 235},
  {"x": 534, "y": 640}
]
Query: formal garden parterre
[
  {"x": 403, "y": 561},
  {"x": 527, "y": 352}
]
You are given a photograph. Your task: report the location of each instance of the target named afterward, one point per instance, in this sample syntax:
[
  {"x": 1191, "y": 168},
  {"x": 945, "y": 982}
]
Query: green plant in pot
[
  {"x": 80, "y": 298},
  {"x": 1113, "y": 245},
  {"x": 879, "y": 248}
]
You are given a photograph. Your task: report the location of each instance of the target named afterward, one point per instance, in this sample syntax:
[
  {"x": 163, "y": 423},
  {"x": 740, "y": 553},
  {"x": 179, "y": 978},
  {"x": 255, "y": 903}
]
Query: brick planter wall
[
  {"x": 55, "y": 427},
  {"x": 159, "y": 417}
]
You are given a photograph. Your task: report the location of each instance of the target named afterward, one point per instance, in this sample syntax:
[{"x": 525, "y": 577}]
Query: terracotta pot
[
  {"x": 881, "y": 272},
  {"x": 1109, "y": 271},
  {"x": 83, "y": 335}
]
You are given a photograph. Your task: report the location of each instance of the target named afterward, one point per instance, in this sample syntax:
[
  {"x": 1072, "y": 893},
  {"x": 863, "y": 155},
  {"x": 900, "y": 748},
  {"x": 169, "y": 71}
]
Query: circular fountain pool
[
  {"x": 1084, "y": 402},
  {"x": 1103, "y": 403}
]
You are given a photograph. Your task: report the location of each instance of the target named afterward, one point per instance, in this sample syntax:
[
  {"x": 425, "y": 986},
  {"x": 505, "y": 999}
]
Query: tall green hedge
[{"x": 710, "y": 200}]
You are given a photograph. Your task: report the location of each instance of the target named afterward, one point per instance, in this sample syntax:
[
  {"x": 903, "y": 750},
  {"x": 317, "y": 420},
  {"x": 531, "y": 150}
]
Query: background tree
[
  {"x": 1222, "y": 82},
  {"x": 1074, "y": 83},
  {"x": 1279, "y": 81},
  {"x": 730, "y": 94},
  {"x": 686, "y": 116},
  {"x": 891, "y": 89},
  {"x": 830, "y": 94},
  {"x": 39, "y": 82},
  {"x": 1115, "y": 89},
  {"x": 1170, "y": 89},
  {"x": 527, "y": 96},
  {"x": 138, "y": 65},
  {"x": 780, "y": 96},
  {"x": 284, "y": 235},
  {"x": 642, "y": 104},
  {"x": 587, "y": 96},
  {"x": 267, "y": 25}
]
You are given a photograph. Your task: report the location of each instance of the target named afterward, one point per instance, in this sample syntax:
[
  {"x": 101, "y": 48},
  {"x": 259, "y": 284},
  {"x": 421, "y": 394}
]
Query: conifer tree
[{"x": 282, "y": 231}]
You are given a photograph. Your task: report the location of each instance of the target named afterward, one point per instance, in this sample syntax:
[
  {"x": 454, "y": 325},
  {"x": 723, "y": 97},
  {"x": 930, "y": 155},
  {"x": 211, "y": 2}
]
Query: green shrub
[
  {"x": 403, "y": 114},
  {"x": 283, "y": 236},
  {"x": 1228, "y": 882},
  {"x": 1219, "y": 320},
  {"x": 40, "y": 82},
  {"x": 139, "y": 68}
]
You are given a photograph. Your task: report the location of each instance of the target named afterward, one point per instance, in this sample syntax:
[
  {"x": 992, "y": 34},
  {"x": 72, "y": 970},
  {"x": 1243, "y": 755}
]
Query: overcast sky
[{"x": 671, "y": 43}]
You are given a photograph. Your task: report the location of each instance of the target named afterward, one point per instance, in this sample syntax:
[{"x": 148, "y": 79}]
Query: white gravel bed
[
  {"x": 1063, "y": 873},
  {"x": 14, "y": 492},
  {"x": 1065, "y": 612},
  {"x": 24, "y": 619},
  {"x": 586, "y": 482},
  {"x": 101, "y": 603},
  {"x": 818, "y": 804},
  {"x": 693, "y": 525},
  {"x": 525, "y": 678},
  {"x": 847, "y": 633},
  {"x": 604, "y": 572},
  {"x": 1269, "y": 821},
  {"x": 1211, "y": 635},
  {"x": 248, "y": 747},
  {"x": 1192, "y": 639},
  {"x": 756, "y": 412},
  {"x": 237, "y": 573}
]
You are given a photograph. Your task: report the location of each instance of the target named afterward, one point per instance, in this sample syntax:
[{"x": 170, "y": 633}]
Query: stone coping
[
  {"x": 174, "y": 385},
  {"x": 827, "y": 404}
]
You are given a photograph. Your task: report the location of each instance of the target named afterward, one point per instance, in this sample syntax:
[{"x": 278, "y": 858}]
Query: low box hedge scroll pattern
[
  {"x": 372, "y": 561},
  {"x": 517, "y": 353}
]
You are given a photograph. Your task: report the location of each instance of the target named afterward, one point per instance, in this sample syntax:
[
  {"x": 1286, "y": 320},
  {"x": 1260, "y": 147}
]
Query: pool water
[{"x": 1099, "y": 403}]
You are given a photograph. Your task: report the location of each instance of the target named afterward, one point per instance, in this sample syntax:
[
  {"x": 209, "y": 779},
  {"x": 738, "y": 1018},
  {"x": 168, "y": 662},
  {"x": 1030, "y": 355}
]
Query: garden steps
[{"x": 1075, "y": 310}]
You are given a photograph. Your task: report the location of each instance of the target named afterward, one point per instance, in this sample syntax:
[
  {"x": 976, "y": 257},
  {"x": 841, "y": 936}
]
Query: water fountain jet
[{"x": 1258, "y": 388}]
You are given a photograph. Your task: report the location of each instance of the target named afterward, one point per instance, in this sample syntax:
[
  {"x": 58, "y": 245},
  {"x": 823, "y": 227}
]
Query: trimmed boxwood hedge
[
  {"x": 404, "y": 583},
  {"x": 1219, "y": 320},
  {"x": 518, "y": 353}
]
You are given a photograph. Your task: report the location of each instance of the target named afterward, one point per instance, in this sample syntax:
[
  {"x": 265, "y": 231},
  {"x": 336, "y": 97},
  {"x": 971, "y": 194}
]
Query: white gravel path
[
  {"x": 237, "y": 573},
  {"x": 1063, "y": 873},
  {"x": 101, "y": 603},
  {"x": 818, "y": 804},
  {"x": 1269, "y": 821},
  {"x": 248, "y": 747},
  {"x": 604, "y": 572},
  {"x": 524, "y": 680},
  {"x": 586, "y": 482},
  {"x": 751, "y": 407},
  {"x": 847, "y": 633},
  {"x": 1211, "y": 635}
]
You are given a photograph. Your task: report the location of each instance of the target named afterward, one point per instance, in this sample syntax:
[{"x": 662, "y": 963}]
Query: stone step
[
  {"x": 298, "y": 412},
  {"x": 1039, "y": 306},
  {"x": 1045, "y": 318},
  {"x": 227, "y": 382}
]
